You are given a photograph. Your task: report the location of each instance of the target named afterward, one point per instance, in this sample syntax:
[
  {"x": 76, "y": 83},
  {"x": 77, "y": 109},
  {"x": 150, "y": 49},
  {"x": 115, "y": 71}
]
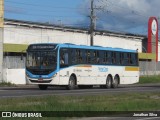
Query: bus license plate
[{"x": 40, "y": 79}]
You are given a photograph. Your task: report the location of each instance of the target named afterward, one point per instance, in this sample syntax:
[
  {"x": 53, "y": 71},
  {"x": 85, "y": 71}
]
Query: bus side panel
[
  {"x": 115, "y": 70},
  {"x": 64, "y": 75},
  {"x": 130, "y": 75}
]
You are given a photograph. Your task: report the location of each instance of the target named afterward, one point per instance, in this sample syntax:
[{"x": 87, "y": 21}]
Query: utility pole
[
  {"x": 92, "y": 26},
  {"x": 1, "y": 38}
]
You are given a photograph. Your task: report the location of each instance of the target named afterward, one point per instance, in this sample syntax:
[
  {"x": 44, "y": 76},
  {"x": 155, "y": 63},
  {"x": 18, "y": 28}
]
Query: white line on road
[{"x": 151, "y": 118}]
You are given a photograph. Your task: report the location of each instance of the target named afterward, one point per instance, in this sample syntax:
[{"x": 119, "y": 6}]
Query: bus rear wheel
[
  {"x": 42, "y": 87},
  {"x": 72, "y": 83},
  {"x": 108, "y": 82},
  {"x": 115, "y": 82}
]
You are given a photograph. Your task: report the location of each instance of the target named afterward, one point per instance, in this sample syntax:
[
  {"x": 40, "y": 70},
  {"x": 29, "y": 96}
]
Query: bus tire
[
  {"x": 115, "y": 82},
  {"x": 72, "y": 83},
  {"x": 43, "y": 87},
  {"x": 108, "y": 82}
]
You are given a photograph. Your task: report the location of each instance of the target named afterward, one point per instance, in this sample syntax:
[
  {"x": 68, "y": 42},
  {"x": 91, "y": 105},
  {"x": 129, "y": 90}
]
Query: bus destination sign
[{"x": 42, "y": 47}]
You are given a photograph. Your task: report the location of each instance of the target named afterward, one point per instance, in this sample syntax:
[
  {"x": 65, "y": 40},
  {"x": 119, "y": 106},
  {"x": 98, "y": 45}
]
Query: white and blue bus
[{"x": 79, "y": 65}]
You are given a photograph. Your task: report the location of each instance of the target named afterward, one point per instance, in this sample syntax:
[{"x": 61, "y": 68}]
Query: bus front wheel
[
  {"x": 42, "y": 87},
  {"x": 72, "y": 83}
]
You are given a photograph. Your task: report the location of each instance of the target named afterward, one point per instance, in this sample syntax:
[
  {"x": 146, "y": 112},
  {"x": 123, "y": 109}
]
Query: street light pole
[{"x": 92, "y": 17}]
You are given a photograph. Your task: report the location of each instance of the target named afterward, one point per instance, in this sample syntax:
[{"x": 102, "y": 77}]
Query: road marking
[{"x": 151, "y": 118}]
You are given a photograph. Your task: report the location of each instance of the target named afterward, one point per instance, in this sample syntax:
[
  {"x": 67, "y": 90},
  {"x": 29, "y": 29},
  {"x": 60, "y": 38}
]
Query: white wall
[
  {"x": 15, "y": 76},
  {"x": 26, "y": 35},
  {"x": 117, "y": 42}
]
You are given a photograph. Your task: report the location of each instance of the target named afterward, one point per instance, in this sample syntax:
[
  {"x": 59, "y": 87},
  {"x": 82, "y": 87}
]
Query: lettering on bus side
[{"x": 102, "y": 69}]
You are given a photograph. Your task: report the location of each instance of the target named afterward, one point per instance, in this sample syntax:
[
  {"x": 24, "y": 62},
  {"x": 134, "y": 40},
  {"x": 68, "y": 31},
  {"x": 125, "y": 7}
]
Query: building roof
[{"x": 70, "y": 29}]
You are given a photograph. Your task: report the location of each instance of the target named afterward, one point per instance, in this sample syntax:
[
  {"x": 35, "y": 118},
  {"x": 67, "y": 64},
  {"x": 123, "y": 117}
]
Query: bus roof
[{"x": 70, "y": 45}]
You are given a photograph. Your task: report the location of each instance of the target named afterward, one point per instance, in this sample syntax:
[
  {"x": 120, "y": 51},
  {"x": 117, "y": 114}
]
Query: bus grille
[
  {"x": 43, "y": 81},
  {"x": 40, "y": 72}
]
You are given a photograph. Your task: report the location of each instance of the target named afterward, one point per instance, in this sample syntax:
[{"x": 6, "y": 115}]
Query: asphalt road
[{"x": 24, "y": 91}]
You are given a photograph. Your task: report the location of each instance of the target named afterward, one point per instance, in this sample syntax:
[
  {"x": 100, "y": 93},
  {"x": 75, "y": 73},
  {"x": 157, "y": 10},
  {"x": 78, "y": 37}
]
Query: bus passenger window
[
  {"x": 66, "y": 58},
  {"x": 62, "y": 59},
  {"x": 118, "y": 58},
  {"x": 88, "y": 57}
]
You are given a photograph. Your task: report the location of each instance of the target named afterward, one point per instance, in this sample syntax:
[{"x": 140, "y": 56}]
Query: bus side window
[
  {"x": 64, "y": 58},
  {"x": 125, "y": 59},
  {"x": 133, "y": 59},
  {"x": 108, "y": 58},
  {"x": 101, "y": 57},
  {"x": 117, "y": 58},
  {"x": 83, "y": 55},
  {"x": 113, "y": 58},
  {"x": 88, "y": 54},
  {"x": 73, "y": 57},
  {"x": 79, "y": 56},
  {"x": 94, "y": 57}
]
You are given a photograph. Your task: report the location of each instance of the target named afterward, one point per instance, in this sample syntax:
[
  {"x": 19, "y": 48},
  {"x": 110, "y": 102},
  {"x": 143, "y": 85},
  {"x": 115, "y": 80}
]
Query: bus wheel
[
  {"x": 115, "y": 82},
  {"x": 72, "y": 83},
  {"x": 108, "y": 82},
  {"x": 42, "y": 87}
]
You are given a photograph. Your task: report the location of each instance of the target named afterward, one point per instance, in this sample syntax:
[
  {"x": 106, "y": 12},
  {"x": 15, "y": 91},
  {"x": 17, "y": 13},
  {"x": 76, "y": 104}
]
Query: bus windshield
[{"x": 41, "y": 60}]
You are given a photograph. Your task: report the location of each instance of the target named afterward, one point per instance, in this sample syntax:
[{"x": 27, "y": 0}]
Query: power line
[
  {"x": 41, "y": 10},
  {"x": 34, "y": 5},
  {"x": 42, "y": 15}
]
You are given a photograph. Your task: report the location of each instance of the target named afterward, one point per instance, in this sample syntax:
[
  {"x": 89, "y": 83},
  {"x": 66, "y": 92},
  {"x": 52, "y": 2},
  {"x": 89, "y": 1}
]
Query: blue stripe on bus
[
  {"x": 96, "y": 48},
  {"x": 89, "y": 47}
]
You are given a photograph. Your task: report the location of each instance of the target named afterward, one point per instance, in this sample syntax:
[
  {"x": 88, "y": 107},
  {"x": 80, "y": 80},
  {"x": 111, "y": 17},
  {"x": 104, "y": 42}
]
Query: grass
[
  {"x": 114, "y": 102},
  {"x": 6, "y": 84},
  {"x": 149, "y": 79}
]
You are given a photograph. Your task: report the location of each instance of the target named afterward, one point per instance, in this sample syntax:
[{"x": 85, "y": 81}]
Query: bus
[{"x": 80, "y": 66}]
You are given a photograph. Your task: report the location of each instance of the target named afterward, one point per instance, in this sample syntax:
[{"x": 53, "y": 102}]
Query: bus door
[{"x": 64, "y": 64}]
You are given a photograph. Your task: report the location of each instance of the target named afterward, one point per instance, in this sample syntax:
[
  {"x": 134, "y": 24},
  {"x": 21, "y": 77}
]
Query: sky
[{"x": 126, "y": 16}]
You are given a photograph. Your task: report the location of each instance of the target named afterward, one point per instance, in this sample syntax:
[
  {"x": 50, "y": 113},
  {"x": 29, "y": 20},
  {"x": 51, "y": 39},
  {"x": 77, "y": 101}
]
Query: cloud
[{"x": 124, "y": 15}]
